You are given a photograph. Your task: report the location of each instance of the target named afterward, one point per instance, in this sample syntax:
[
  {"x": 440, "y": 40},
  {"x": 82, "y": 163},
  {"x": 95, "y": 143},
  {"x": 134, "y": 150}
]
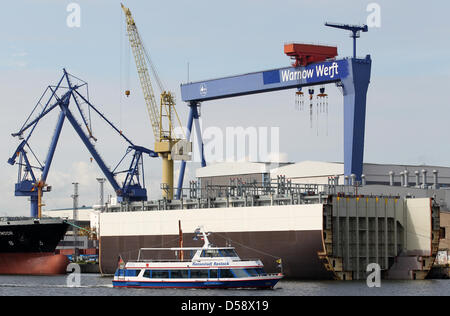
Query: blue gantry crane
[
  {"x": 32, "y": 185},
  {"x": 315, "y": 65}
]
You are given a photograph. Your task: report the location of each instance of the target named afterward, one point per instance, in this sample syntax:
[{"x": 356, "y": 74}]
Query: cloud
[
  {"x": 17, "y": 60},
  {"x": 17, "y": 64},
  {"x": 20, "y": 54}
]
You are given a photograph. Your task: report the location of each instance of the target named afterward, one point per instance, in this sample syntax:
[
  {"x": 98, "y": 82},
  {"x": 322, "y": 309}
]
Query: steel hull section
[
  {"x": 291, "y": 232},
  {"x": 33, "y": 263},
  {"x": 27, "y": 246},
  {"x": 298, "y": 250},
  {"x": 335, "y": 240}
]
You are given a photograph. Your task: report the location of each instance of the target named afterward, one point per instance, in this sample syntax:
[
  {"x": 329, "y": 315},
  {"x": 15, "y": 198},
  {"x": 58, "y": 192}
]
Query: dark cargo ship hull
[{"x": 27, "y": 246}]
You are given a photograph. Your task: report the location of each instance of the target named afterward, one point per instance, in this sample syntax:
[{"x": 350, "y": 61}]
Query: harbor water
[{"x": 97, "y": 285}]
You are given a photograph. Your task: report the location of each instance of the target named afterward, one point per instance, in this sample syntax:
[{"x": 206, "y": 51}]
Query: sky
[{"x": 407, "y": 107}]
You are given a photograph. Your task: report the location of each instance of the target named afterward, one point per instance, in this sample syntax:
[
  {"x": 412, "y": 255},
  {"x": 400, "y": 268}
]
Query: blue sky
[{"x": 407, "y": 110}]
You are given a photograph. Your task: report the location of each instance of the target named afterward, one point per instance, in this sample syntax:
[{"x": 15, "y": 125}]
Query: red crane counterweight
[{"x": 305, "y": 54}]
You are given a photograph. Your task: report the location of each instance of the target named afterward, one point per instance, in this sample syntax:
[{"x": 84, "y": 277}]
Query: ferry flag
[
  {"x": 279, "y": 262},
  {"x": 121, "y": 263}
]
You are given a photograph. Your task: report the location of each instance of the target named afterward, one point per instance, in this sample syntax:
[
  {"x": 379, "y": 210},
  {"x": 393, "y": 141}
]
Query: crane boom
[
  {"x": 142, "y": 70},
  {"x": 162, "y": 118}
]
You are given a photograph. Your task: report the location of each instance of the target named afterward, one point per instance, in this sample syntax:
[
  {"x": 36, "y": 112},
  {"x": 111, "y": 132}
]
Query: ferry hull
[
  {"x": 259, "y": 284},
  {"x": 33, "y": 263}
]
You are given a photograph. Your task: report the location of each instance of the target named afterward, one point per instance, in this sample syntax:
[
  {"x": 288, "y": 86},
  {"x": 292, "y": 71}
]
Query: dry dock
[{"x": 317, "y": 236}]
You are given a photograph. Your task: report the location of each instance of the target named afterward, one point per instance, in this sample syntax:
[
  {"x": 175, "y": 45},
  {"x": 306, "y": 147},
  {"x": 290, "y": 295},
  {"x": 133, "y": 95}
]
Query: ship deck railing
[
  {"x": 272, "y": 274},
  {"x": 163, "y": 260},
  {"x": 190, "y": 260}
]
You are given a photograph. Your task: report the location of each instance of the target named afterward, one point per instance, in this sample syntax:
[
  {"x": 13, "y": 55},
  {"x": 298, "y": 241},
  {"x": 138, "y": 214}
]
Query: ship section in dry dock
[
  {"x": 401, "y": 235},
  {"x": 290, "y": 232},
  {"x": 318, "y": 236}
]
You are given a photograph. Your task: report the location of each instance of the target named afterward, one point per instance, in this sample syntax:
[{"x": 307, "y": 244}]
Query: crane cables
[
  {"x": 142, "y": 58},
  {"x": 161, "y": 87}
]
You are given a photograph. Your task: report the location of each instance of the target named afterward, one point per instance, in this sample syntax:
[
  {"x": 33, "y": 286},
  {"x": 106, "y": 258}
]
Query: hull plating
[{"x": 33, "y": 263}]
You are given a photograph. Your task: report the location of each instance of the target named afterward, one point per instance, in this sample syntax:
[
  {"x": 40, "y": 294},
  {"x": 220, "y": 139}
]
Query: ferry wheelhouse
[{"x": 209, "y": 267}]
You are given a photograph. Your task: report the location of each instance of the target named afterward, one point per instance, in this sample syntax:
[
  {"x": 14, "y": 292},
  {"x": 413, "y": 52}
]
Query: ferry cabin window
[
  {"x": 160, "y": 274},
  {"x": 131, "y": 273},
  {"x": 212, "y": 253},
  {"x": 252, "y": 272},
  {"x": 199, "y": 274},
  {"x": 255, "y": 271},
  {"x": 156, "y": 274},
  {"x": 240, "y": 273},
  {"x": 226, "y": 273},
  {"x": 179, "y": 274},
  {"x": 228, "y": 253},
  {"x": 213, "y": 274},
  {"x": 127, "y": 272},
  {"x": 261, "y": 271}
]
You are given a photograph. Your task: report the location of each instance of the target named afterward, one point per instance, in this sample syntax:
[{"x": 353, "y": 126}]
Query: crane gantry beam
[{"x": 352, "y": 74}]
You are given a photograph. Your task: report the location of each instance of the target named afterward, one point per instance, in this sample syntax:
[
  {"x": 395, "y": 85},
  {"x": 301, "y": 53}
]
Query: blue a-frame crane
[{"x": 29, "y": 184}]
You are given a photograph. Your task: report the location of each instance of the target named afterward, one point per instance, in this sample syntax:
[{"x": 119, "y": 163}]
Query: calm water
[{"x": 93, "y": 284}]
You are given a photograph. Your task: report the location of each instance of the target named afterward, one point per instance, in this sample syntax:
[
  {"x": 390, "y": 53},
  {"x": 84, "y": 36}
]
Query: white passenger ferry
[{"x": 209, "y": 267}]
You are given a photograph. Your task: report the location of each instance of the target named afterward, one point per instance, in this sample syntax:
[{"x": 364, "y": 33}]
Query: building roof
[
  {"x": 309, "y": 169},
  {"x": 84, "y": 207},
  {"x": 319, "y": 170},
  {"x": 233, "y": 168},
  {"x": 372, "y": 171}
]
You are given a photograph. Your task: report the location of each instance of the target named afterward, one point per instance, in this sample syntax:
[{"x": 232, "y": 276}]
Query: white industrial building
[
  {"x": 226, "y": 172},
  {"x": 318, "y": 172}
]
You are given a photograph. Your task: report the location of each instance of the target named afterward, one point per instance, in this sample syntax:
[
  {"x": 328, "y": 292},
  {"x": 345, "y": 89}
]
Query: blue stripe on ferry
[{"x": 197, "y": 284}]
